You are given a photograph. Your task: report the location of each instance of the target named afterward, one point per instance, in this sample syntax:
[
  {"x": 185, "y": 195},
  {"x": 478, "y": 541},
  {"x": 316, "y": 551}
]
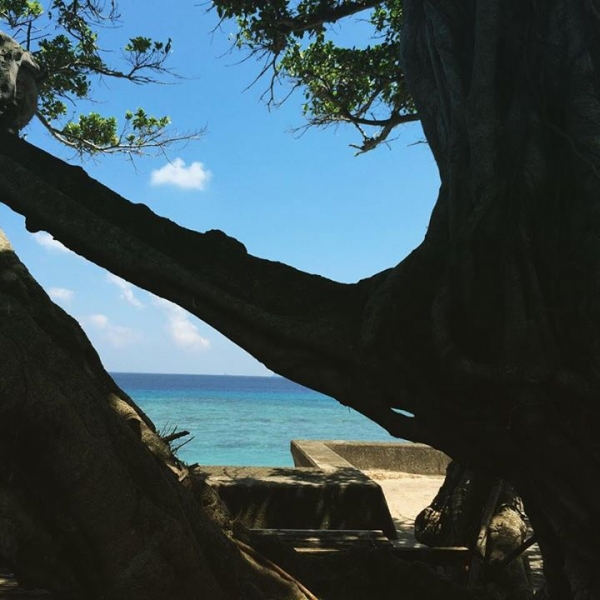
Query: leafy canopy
[
  {"x": 63, "y": 36},
  {"x": 302, "y": 43}
]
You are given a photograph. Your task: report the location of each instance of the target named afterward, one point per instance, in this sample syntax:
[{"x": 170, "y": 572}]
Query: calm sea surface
[{"x": 243, "y": 420}]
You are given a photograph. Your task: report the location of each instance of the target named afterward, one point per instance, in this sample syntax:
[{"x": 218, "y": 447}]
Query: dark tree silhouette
[{"x": 487, "y": 333}]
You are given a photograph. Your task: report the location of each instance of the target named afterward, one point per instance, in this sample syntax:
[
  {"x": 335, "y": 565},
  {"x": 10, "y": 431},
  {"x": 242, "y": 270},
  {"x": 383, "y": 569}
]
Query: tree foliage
[
  {"x": 64, "y": 37},
  {"x": 304, "y": 44}
]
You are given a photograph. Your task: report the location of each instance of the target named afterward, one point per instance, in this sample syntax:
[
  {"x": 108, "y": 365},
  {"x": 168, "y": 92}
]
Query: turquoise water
[{"x": 243, "y": 420}]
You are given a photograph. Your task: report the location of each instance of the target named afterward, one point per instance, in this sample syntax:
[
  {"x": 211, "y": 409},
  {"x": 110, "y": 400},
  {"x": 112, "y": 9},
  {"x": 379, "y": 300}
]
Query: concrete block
[
  {"x": 301, "y": 498},
  {"x": 393, "y": 456}
]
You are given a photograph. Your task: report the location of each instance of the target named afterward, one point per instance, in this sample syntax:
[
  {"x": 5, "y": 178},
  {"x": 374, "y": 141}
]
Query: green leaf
[{"x": 65, "y": 42}]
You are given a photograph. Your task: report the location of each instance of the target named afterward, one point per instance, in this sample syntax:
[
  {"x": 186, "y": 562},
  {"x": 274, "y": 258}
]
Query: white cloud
[
  {"x": 194, "y": 177},
  {"x": 126, "y": 288},
  {"x": 45, "y": 240},
  {"x": 60, "y": 294},
  {"x": 98, "y": 321},
  {"x": 115, "y": 334},
  {"x": 179, "y": 327}
]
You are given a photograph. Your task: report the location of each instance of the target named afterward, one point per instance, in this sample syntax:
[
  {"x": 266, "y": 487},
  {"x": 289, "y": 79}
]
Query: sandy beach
[{"x": 408, "y": 494}]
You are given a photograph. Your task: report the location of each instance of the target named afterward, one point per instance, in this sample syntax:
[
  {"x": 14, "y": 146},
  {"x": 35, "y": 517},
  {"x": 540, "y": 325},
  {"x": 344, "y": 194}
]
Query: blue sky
[{"x": 305, "y": 200}]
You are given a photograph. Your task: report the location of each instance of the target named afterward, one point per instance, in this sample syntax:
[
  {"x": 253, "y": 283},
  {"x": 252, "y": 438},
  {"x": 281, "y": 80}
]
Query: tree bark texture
[
  {"x": 485, "y": 515},
  {"x": 509, "y": 100},
  {"x": 487, "y": 334},
  {"x": 92, "y": 502}
]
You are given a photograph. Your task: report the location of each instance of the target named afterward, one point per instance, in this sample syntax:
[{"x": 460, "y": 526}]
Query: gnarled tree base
[{"x": 92, "y": 502}]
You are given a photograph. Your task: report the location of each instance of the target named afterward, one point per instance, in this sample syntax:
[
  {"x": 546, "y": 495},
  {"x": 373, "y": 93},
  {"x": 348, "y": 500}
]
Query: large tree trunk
[
  {"x": 92, "y": 502},
  {"x": 509, "y": 99},
  {"x": 488, "y": 332}
]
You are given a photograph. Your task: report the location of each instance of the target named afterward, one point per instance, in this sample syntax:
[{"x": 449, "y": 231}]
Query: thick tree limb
[
  {"x": 207, "y": 274},
  {"x": 303, "y": 326},
  {"x": 367, "y": 344}
]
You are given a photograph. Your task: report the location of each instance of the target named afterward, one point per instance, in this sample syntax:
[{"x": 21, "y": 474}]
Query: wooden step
[
  {"x": 335, "y": 540},
  {"x": 9, "y": 588},
  {"x": 330, "y": 540}
]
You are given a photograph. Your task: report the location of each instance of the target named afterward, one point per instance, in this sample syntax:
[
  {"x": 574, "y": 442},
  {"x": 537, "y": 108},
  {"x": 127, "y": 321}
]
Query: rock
[{"x": 20, "y": 76}]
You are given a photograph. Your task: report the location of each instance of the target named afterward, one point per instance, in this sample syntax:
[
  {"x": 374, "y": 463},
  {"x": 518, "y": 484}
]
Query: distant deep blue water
[{"x": 243, "y": 420}]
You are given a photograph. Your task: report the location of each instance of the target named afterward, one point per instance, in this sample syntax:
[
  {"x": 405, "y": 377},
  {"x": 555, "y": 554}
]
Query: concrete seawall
[
  {"x": 329, "y": 488},
  {"x": 392, "y": 456}
]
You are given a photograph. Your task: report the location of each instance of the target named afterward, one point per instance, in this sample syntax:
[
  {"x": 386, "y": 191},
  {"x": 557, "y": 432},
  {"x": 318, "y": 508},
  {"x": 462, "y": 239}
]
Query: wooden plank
[
  {"x": 326, "y": 539},
  {"x": 333, "y": 540},
  {"x": 9, "y": 588}
]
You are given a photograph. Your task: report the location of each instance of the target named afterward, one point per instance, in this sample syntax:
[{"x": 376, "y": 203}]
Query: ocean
[{"x": 236, "y": 420}]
